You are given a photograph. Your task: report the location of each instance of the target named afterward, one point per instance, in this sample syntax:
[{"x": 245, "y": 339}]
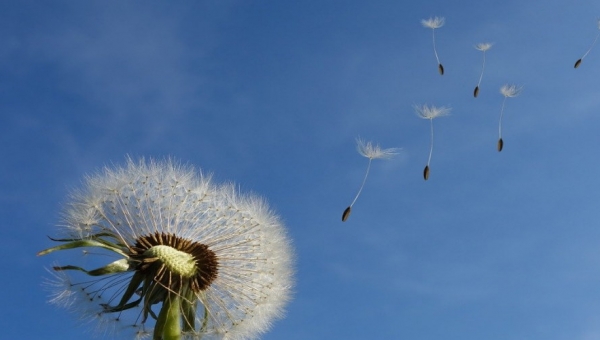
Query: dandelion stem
[
  {"x": 592, "y": 46},
  {"x": 482, "y": 68},
  {"x": 431, "y": 144},
  {"x": 168, "y": 326},
  {"x": 363, "y": 182},
  {"x": 434, "y": 49},
  {"x": 500, "y": 121}
]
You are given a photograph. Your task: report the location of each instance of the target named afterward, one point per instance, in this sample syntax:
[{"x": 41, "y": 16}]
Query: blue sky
[{"x": 272, "y": 95}]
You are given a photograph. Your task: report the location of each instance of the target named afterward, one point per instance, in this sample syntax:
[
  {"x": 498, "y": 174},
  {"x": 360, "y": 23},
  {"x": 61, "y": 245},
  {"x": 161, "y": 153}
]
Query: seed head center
[{"x": 178, "y": 262}]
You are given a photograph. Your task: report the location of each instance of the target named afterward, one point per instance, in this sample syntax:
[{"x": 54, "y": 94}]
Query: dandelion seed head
[
  {"x": 510, "y": 90},
  {"x": 483, "y": 46},
  {"x": 371, "y": 151},
  {"x": 433, "y": 22},
  {"x": 225, "y": 254},
  {"x": 430, "y": 112}
]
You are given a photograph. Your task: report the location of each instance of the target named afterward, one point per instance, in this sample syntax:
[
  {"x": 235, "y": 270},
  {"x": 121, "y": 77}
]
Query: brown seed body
[
  {"x": 426, "y": 172},
  {"x": 500, "y": 144},
  {"x": 476, "y": 92},
  {"x": 346, "y": 214},
  {"x": 577, "y": 63},
  {"x": 441, "y": 69}
]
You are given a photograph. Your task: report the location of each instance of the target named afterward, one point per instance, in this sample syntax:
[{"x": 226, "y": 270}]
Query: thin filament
[
  {"x": 363, "y": 182},
  {"x": 590, "y": 49},
  {"x": 434, "y": 49},
  {"x": 500, "y": 122},
  {"x": 431, "y": 144},
  {"x": 482, "y": 68}
]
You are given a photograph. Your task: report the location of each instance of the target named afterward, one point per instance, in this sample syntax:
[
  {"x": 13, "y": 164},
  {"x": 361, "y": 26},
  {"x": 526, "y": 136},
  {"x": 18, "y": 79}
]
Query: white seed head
[
  {"x": 433, "y": 22},
  {"x": 510, "y": 90},
  {"x": 253, "y": 252},
  {"x": 430, "y": 112},
  {"x": 367, "y": 149},
  {"x": 483, "y": 46}
]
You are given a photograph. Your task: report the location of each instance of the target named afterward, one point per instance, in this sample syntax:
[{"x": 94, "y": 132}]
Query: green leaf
[
  {"x": 188, "y": 309},
  {"x": 135, "y": 282},
  {"x": 92, "y": 237},
  {"x": 84, "y": 243},
  {"x": 118, "y": 266}
]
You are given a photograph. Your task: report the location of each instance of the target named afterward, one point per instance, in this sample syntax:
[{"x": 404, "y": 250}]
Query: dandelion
[
  {"x": 481, "y": 47},
  {"x": 433, "y": 23},
  {"x": 192, "y": 259},
  {"x": 508, "y": 91},
  {"x": 578, "y": 62},
  {"x": 430, "y": 112},
  {"x": 371, "y": 152}
]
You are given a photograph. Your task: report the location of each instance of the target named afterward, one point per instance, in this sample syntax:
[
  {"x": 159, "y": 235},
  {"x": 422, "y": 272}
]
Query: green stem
[{"x": 168, "y": 325}]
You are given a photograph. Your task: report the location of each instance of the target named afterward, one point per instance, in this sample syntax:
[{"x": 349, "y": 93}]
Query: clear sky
[{"x": 272, "y": 95}]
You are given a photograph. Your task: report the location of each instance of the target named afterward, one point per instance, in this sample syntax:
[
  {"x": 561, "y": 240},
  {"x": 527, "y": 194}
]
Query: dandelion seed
[
  {"x": 508, "y": 91},
  {"x": 578, "y": 62},
  {"x": 430, "y": 112},
  {"x": 483, "y": 47},
  {"x": 194, "y": 259},
  {"x": 433, "y": 23},
  {"x": 346, "y": 214},
  {"x": 370, "y": 151},
  {"x": 426, "y": 172}
]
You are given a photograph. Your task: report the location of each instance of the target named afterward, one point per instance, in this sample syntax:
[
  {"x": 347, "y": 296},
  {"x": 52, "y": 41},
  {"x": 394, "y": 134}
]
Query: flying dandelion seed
[
  {"x": 195, "y": 259},
  {"x": 578, "y": 62},
  {"x": 430, "y": 112},
  {"x": 371, "y": 152},
  {"x": 433, "y": 23},
  {"x": 508, "y": 91},
  {"x": 483, "y": 47}
]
